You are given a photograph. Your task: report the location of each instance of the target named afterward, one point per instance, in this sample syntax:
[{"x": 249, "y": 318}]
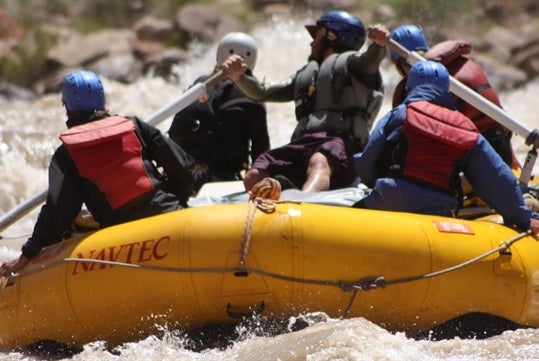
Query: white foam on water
[{"x": 29, "y": 135}]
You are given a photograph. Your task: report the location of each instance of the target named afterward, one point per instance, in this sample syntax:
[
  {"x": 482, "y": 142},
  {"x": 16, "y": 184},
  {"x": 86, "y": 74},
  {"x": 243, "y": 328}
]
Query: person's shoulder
[
  {"x": 60, "y": 156},
  {"x": 139, "y": 123},
  {"x": 60, "y": 150},
  {"x": 397, "y": 114},
  {"x": 133, "y": 118}
]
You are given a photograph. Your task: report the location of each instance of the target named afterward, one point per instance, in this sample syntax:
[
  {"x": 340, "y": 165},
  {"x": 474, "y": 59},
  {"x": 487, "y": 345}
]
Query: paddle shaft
[
  {"x": 22, "y": 209},
  {"x": 190, "y": 96},
  {"x": 470, "y": 96},
  {"x": 486, "y": 106}
]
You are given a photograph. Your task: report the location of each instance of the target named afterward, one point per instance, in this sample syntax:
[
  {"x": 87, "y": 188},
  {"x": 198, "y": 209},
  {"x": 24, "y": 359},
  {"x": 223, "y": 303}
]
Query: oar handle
[
  {"x": 216, "y": 78},
  {"x": 191, "y": 95},
  {"x": 475, "y": 99}
]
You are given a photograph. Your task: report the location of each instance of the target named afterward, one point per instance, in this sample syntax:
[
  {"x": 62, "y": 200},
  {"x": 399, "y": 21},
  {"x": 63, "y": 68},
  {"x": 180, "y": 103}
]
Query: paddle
[
  {"x": 486, "y": 106},
  {"x": 190, "y": 96}
]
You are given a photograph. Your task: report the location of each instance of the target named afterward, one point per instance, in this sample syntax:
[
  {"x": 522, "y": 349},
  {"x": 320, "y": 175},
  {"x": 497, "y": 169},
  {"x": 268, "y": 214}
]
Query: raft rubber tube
[{"x": 211, "y": 264}]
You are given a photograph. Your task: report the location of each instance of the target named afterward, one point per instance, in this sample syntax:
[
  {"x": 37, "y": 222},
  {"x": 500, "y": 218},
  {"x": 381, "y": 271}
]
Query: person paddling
[
  {"x": 109, "y": 163},
  {"x": 454, "y": 55},
  {"x": 417, "y": 151},
  {"x": 227, "y": 131},
  {"x": 337, "y": 96}
]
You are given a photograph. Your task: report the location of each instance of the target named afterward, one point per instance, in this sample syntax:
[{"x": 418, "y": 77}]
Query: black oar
[
  {"x": 487, "y": 107},
  {"x": 190, "y": 96}
]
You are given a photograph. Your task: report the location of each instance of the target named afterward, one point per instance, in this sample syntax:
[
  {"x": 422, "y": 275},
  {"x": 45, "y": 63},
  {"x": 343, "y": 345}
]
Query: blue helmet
[
  {"x": 409, "y": 36},
  {"x": 345, "y": 31},
  {"x": 428, "y": 72},
  {"x": 83, "y": 90}
]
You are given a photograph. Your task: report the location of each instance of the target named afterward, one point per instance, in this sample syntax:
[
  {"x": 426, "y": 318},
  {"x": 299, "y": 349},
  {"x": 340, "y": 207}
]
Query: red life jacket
[
  {"x": 450, "y": 53},
  {"x": 109, "y": 153},
  {"x": 437, "y": 139}
]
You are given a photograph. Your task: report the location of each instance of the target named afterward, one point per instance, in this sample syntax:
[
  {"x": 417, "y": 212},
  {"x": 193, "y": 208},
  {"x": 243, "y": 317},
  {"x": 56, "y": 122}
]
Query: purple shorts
[{"x": 292, "y": 159}]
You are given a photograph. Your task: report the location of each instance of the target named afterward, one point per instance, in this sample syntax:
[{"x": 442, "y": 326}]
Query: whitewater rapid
[{"x": 29, "y": 134}]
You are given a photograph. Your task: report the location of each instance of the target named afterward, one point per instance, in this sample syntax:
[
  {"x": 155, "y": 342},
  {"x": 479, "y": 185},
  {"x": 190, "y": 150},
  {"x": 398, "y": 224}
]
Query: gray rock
[
  {"x": 144, "y": 50},
  {"x": 205, "y": 22},
  {"x": 121, "y": 67},
  {"x": 81, "y": 50},
  {"x": 151, "y": 28},
  {"x": 161, "y": 65},
  {"x": 497, "y": 42},
  {"x": 12, "y": 91},
  {"x": 198, "y": 21},
  {"x": 502, "y": 76}
]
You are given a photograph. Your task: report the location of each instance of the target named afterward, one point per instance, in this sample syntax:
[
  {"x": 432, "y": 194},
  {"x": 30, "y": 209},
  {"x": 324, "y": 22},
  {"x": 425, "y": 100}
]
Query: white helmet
[{"x": 238, "y": 43}]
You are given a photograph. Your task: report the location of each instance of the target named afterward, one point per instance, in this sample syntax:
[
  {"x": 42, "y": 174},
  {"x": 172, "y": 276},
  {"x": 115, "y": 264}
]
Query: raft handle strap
[{"x": 241, "y": 315}]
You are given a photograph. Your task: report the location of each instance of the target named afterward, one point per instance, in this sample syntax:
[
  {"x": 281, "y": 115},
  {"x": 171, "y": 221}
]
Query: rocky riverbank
[{"x": 505, "y": 36}]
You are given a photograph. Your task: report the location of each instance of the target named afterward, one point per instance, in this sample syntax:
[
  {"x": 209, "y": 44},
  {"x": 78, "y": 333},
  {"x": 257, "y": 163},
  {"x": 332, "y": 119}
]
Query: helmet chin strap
[{"x": 402, "y": 67}]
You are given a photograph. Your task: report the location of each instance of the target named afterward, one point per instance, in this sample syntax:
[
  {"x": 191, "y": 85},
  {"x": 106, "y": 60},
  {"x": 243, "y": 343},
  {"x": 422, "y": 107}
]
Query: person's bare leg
[
  {"x": 253, "y": 176},
  {"x": 318, "y": 174}
]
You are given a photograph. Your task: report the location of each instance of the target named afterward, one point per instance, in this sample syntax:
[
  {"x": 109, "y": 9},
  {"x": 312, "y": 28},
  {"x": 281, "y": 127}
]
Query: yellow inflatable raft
[{"x": 209, "y": 264}]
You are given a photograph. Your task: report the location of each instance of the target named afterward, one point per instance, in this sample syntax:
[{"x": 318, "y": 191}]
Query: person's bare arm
[
  {"x": 234, "y": 68},
  {"x": 13, "y": 266}
]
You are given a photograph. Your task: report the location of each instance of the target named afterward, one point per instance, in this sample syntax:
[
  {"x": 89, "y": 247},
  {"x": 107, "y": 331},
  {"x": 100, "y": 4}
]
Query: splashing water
[{"x": 29, "y": 136}]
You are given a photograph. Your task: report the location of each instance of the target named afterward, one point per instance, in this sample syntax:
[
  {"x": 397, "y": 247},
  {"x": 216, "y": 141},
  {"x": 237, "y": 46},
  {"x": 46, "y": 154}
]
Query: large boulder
[
  {"x": 121, "y": 67},
  {"x": 153, "y": 29},
  {"x": 81, "y": 50},
  {"x": 108, "y": 53},
  {"x": 162, "y": 64},
  {"x": 205, "y": 23}
]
